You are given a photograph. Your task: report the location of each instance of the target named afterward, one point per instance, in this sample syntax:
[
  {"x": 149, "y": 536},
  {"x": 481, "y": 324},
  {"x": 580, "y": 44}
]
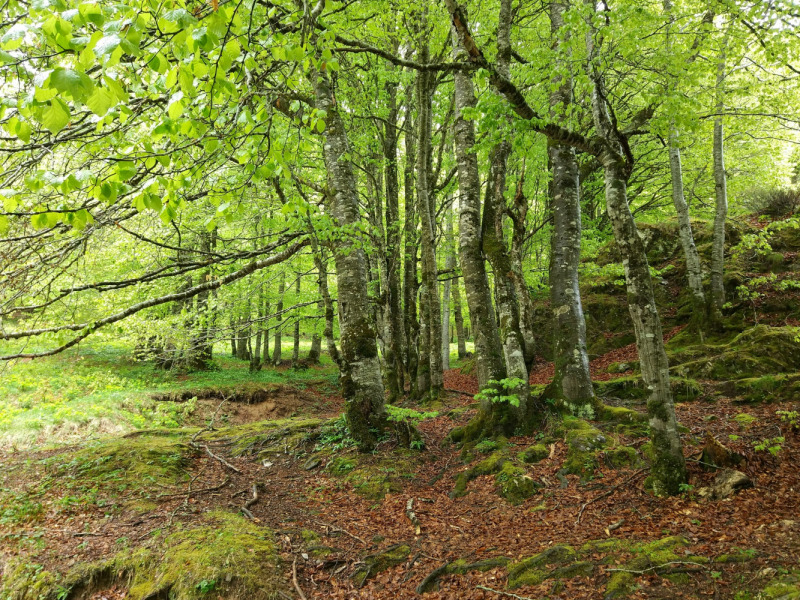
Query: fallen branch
[
  {"x": 190, "y": 492},
  {"x": 340, "y": 530},
  {"x": 412, "y": 516},
  {"x": 609, "y": 492},
  {"x": 509, "y": 594},
  {"x": 459, "y": 392},
  {"x": 658, "y": 568},
  {"x": 222, "y": 460},
  {"x": 294, "y": 580},
  {"x": 254, "y": 499}
]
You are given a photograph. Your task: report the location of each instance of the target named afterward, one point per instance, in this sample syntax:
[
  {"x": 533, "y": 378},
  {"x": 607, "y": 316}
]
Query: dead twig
[
  {"x": 254, "y": 499},
  {"x": 609, "y": 492},
  {"x": 189, "y": 493},
  {"x": 222, "y": 460},
  {"x": 340, "y": 530},
  {"x": 294, "y": 580}
]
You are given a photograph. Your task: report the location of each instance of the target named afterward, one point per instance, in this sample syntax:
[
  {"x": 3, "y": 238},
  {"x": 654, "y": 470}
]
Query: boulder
[{"x": 726, "y": 484}]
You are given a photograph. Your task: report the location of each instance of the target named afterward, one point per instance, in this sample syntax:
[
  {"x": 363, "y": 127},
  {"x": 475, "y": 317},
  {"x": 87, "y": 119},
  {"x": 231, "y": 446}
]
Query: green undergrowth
[
  {"x": 98, "y": 389},
  {"x": 223, "y": 556}
]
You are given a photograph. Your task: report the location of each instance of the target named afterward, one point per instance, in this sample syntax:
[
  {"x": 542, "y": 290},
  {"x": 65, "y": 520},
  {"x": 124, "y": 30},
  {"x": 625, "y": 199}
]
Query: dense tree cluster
[{"x": 384, "y": 176}]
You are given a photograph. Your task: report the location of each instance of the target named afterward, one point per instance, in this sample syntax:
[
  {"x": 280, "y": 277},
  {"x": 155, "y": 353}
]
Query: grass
[{"x": 98, "y": 389}]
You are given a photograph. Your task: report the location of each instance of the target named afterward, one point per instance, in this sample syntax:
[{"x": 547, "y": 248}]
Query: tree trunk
[
  {"x": 668, "y": 471},
  {"x": 410, "y": 285},
  {"x": 296, "y": 348},
  {"x": 526, "y": 310},
  {"x": 449, "y": 265},
  {"x": 278, "y": 351},
  {"x": 361, "y": 371},
  {"x": 458, "y": 317},
  {"x": 493, "y": 418},
  {"x": 393, "y": 324},
  {"x": 494, "y": 243},
  {"x": 316, "y": 339},
  {"x": 721, "y": 193},
  {"x": 255, "y": 360},
  {"x": 430, "y": 284},
  {"x": 572, "y": 383}
]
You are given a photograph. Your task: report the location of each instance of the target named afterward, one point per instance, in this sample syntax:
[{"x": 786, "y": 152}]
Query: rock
[
  {"x": 727, "y": 483},
  {"x": 312, "y": 463}
]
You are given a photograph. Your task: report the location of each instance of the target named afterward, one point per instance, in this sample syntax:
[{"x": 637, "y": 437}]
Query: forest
[{"x": 399, "y": 299}]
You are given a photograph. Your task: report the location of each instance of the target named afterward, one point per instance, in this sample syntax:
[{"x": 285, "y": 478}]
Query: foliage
[{"x": 499, "y": 391}]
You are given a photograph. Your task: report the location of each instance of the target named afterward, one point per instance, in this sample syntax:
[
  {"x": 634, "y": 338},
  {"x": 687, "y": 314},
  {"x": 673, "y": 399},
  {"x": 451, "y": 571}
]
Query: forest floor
[{"x": 104, "y": 518}]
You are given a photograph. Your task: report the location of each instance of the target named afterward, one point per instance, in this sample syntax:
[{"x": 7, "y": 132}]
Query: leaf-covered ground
[{"x": 121, "y": 505}]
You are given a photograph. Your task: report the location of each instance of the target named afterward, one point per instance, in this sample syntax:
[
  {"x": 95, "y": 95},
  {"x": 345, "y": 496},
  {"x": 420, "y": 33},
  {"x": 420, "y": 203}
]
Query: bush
[{"x": 775, "y": 203}]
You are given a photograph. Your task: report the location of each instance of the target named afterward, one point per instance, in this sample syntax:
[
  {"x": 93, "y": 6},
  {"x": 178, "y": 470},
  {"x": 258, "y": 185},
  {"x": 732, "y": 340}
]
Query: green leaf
[
  {"x": 172, "y": 78},
  {"x": 100, "y": 101},
  {"x": 116, "y": 88},
  {"x": 78, "y": 85},
  {"x": 23, "y": 131},
  {"x": 176, "y": 106},
  {"x": 4, "y": 224},
  {"x": 107, "y": 45},
  {"x": 56, "y": 116}
]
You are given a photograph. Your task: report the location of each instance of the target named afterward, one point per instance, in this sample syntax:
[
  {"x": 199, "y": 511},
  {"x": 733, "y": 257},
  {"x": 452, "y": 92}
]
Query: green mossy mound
[
  {"x": 374, "y": 477},
  {"x": 588, "y": 448},
  {"x": 768, "y": 388},
  {"x": 226, "y": 554},
  {"x": 381, "y": 561},
  {"x": 565, "y": 562},
  {"x": 513, "y": 482},
  {"x": 458, "y": 567},
  {"x": 633, "y": 388},
  {"x": 267, "y": 438},
  {"x": 761, "y": 350},
  {"x": 534, "y": 454},
  {"x": 784, "y": 588}
]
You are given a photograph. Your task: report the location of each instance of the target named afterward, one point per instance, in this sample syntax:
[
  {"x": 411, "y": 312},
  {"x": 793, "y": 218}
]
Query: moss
[
  {"x": 633, "y": 388},
  {"x": 577, "y": 569},
  {"x": 758, "y": 351},
  {"x": 381, "y": 561},
  {"x": 583, "y": 441},
  {"x": 736, "y": 557},
  {"x": 309, "y": 537},
  {"x": 322, "y": 551},
  {"x": 532, "y": 570},
  {"x": 458, "y": 567},
  {"x": 268, "y": 437},
  {"x": 374, "y": 479},
  {"x": 514, "y": 484},
  {"x": 620, "y": 414},
  {"x": 623, "y": 456},
  {"x": 787, "y": 588},
  {"x": 27, "y": 581},
  {"x": 534, "y": 454},
  {"x": 619, "y": 584},
  {"x": 226, "y": 553},
  {"x": 341, "y": 465},
  {"x": 778, "y": 387},
  {"x": 744, "y": 420}
]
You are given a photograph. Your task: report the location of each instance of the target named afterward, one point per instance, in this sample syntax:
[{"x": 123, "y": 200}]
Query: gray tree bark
[
  {"x": 527, "y": 326},
  {"x": 721, "y": 193},
  {"x": 572, "y": 383},
  {"x": 493, "y": 418},
  {"x": 458, "y": 317},
  {"x": 393, "y": 322},
  {"x": 296, "y": 347},
  {"x": 430, "y": 286},
  {"x": 316, "y": 339},
  {"x": 449, "y": 265},
  {"x": 361, "y": 371},
  {"x": 668, "y": 470},
  {"x": 410, "y": 284},
  {"x": 278, "y": 347}
]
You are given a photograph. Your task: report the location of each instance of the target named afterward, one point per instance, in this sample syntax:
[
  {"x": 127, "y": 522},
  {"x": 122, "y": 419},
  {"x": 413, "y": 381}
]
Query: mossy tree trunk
[
  {"x": 393, "y": 325},
  {"x": 278, "y": 348},
  {"x": 492, "y": 419},
  {"x": 458, "y": 316},
  {"x": 669, "y": 468},
  {"x": 410, "y": 284},
  {"x": 572, "y": 383},
  {"x": 721, "y": 197},
  {"x": 362, "y": 383},
  {"x": 449, "y": 265},
  {"x": 321, "y": 262},
  {"x": 430, "y": 285},
  {"x": 519, "y": 233},
  {"x": 296, "y": 347},
  {"x": 316, "y": 339}
]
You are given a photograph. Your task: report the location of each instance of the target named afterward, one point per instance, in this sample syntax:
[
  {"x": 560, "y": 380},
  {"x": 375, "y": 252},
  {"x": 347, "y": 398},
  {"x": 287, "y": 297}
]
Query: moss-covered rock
[
  {"x": 534, "y": 454},
  {"x": 381, "y": 561},
  {"x": 761, "y": 350},
  {"x": 779, "y": 387},
  {"x": 583, "y": 443},
  {"x": 268, "y": 438},
  {"x": 784, "y": 588},
  {"x": 634, "y": 388},
  {"x": 513, "y": 482}
]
